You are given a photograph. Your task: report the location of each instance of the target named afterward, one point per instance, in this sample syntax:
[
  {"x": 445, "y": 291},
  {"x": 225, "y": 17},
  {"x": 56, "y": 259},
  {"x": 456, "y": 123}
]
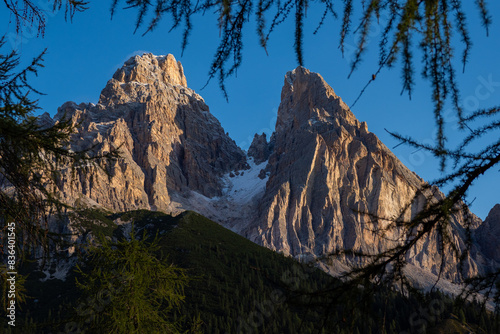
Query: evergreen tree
[
  {"x": 33, "y": 13},
  {"x": 32, "y": 156},
  {"x": 129, "y": 289},
  {"x": 411, "y": 27}
]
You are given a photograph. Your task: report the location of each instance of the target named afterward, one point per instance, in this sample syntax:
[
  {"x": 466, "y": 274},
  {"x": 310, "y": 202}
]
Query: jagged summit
[
  {"x": 170, "y": 143},
  {"x": 149, "y": 68},
  {"x": 325, "y": 171},
  {"x": 310, "y": 98},
  {"x": 303, "y": 193},
  {"x": 143, "y": 76},
  {"x": 325, "y": 163}
]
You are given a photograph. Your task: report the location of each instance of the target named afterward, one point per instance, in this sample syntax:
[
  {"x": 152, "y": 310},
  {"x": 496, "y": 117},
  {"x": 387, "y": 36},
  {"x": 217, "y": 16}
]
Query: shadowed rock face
[
  {"x": 168, "y": 140},
  {"x": 260, "y": 149},
  {"x": 488, "y": 234}
]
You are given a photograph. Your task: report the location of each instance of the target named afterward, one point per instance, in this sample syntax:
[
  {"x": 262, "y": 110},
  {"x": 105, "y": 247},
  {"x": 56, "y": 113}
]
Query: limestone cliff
[
  {"x": 260, "y": 149},
  {"x": 306, "y": 192},
  {"x": 488, "y": 234},
  {"x": 168, "y": 140},
  {"x": 327, "y": 173}
]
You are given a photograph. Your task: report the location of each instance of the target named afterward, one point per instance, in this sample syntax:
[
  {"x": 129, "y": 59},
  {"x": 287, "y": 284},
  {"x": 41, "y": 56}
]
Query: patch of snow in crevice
[
  {"x": 244, "y": 187},
  {"x": 135, "y": 83},
  {"x": 290, "y": 77},
  {"x": 62, "y": 269},
  {"x": 237, "y": 204}
]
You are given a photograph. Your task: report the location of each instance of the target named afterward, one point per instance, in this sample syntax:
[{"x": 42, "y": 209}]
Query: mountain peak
[
  {"x": 169, "y": 142},
  {"x": 325, "y": 178},
  {"x": 306, "y": 96},
  {"x": 328, "y": 176},
  {"x": 149, "y": 68},
  {"x": 140, "y": 77},
  {"x": 494, "y": 212}
]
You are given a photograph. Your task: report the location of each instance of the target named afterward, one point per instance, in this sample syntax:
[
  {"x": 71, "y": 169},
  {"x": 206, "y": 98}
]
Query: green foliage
[
  {"x": 20, "y": 293},
  {"x": 128, "y": 289},
  {"x": 93, "y": 220},
  {"x": 33, "y": 13},
  {"x": 33, "y": 156},
  {"x": 30, "y": 154},
  {"x": 235, "y": 286},
  {"x": 242, "y": 287}
]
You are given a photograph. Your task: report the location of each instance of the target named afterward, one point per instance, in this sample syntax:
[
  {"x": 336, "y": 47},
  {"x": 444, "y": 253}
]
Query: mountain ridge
[
  {"x": 302, "y": 193},
  {"x": 327, "y": 171},
  {"x": 162, "y": 128}
]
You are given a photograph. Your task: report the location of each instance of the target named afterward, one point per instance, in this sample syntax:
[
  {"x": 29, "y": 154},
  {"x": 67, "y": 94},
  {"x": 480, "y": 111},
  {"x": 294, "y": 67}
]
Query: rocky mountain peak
[
  {"x": 149, "y": 68},
  {"x": 169, "y": 142},
  {"x": 141, "y": 75},
  {"x": 328, "y": 174},
  {"x": 489, "y": 233},
  {"x": 260, "y": 148},
  {"x": 306, "y": 96}
]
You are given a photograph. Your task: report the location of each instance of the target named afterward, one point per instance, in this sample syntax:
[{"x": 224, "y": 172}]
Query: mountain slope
[
  {"x": 305, "y": 193},
  {"x": 240, "y": 287},
  {"x": 328, "y": 174}
]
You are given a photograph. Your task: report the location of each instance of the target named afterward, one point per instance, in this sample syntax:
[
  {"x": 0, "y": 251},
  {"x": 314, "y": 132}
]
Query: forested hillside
[{"x": 239, "y": 287}]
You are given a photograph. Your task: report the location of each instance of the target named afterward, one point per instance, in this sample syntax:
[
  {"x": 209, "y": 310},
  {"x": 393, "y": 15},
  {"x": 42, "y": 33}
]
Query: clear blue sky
[{"x": 83, "y": 55}]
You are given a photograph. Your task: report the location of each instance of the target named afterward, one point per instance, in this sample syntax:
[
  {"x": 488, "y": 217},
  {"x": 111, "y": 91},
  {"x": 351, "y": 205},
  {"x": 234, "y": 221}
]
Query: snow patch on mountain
[
  {"x": 238, "y": 202},
  {"x": 58, "y": 269},
  {"x": 245, "y": 185}
]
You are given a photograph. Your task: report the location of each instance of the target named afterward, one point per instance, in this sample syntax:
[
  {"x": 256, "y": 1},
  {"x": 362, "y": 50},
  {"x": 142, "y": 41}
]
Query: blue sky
[{"x": 83, "y": 55}]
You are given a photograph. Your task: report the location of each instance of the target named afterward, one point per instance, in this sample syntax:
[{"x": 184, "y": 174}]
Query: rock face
[
  {"x": 324, "y": 173},
  {"x": 259, "y": 149},
  {"x": 168, "y": 140},
  {"x": 488, "y": 234}
]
